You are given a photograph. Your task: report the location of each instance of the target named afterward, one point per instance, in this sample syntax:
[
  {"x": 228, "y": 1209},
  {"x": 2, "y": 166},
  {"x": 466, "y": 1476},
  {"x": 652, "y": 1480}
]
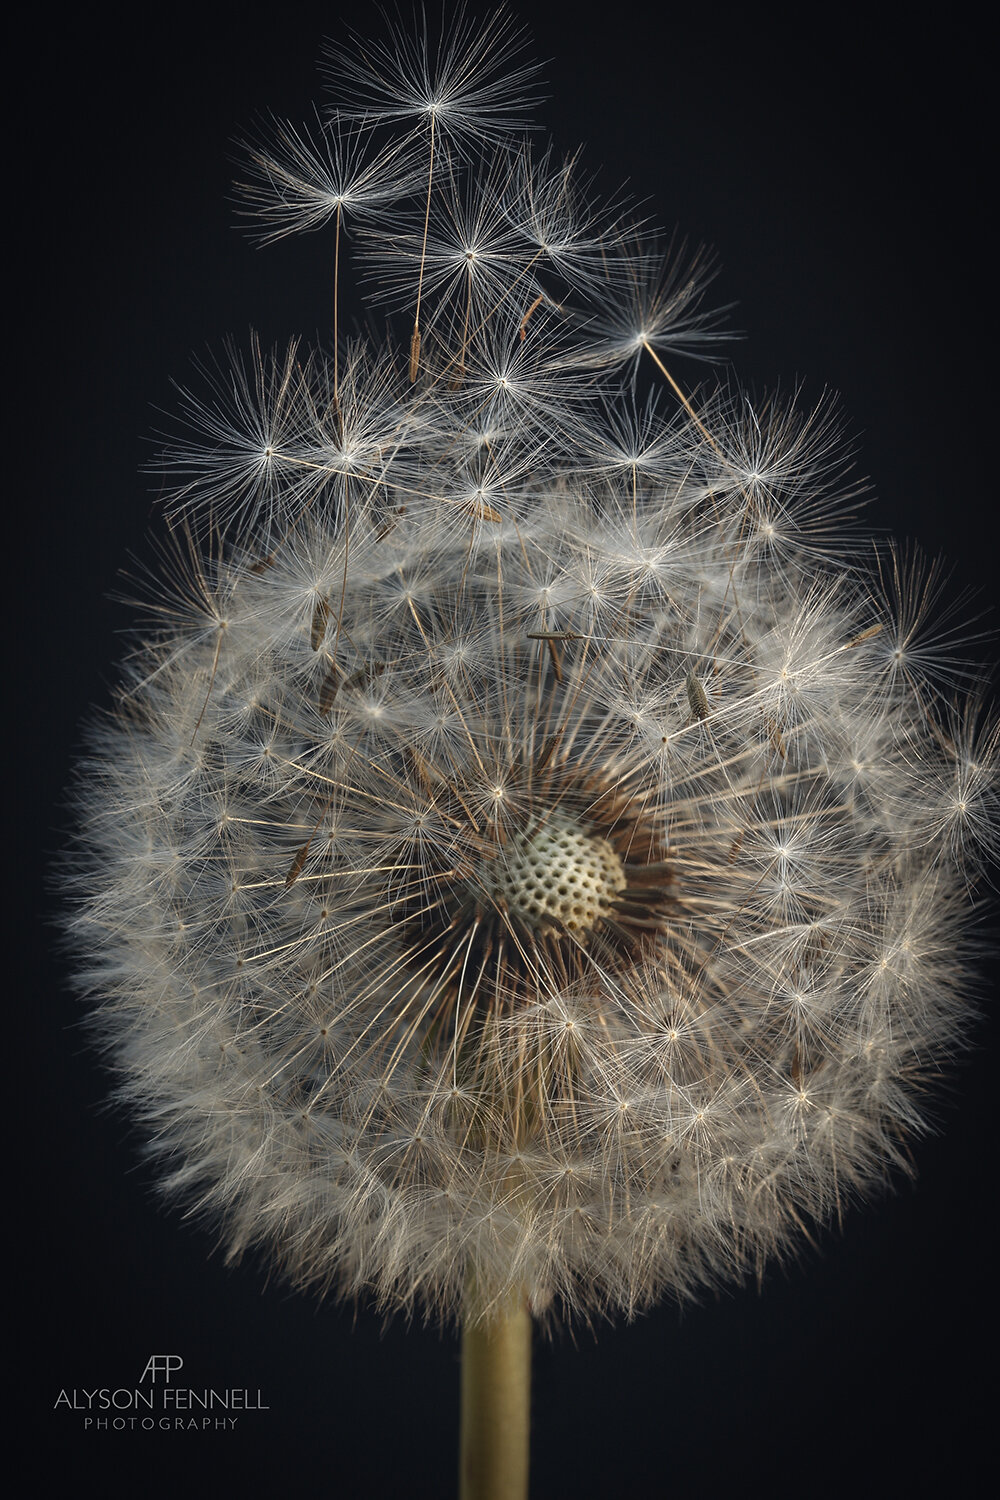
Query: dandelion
[{"x": 526, "y": 867}]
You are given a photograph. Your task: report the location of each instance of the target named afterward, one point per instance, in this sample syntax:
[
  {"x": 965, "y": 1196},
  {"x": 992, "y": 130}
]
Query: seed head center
[{"x": 559, "y": 876}]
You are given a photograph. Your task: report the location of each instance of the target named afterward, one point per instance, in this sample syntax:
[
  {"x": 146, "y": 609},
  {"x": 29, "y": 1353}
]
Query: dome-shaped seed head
[{"x": 523, "y": 843}]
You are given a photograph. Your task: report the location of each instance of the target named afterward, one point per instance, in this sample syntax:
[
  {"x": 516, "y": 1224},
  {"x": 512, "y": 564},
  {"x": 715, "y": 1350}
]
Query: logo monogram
[{"x": 166, "y": 1363}]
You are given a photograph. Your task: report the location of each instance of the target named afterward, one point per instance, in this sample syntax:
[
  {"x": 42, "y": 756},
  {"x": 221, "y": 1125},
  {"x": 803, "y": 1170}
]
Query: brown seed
[
  {"x": 320, "y": 616},
  {"x": 864, "y": 635},
  {"x": 697, "y": 697},
  {"x": 298, "y": 864},
  {"x": 328, "y": 689}
]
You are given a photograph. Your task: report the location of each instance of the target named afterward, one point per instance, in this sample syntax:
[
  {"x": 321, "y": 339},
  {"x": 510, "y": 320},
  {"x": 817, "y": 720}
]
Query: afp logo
[{"x": 161, "y": 1364}]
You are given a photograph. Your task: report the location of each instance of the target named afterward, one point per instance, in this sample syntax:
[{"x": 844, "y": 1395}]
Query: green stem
[{"x": 496, "y": 1401}]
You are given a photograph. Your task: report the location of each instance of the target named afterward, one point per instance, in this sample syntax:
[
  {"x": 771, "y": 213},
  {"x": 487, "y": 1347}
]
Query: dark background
[{"x": 839, "y": 174}]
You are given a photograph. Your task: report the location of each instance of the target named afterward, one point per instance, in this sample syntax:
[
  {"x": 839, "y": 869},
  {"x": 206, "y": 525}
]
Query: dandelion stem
[{"x": 496, "y": 1401}]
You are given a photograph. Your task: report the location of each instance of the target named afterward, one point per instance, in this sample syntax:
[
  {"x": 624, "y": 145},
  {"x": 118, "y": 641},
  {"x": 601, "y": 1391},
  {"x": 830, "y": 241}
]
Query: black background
[{"x": 838, "y": 168}]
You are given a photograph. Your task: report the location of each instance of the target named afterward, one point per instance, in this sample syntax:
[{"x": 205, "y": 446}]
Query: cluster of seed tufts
[{"x": 523, "y": 841}]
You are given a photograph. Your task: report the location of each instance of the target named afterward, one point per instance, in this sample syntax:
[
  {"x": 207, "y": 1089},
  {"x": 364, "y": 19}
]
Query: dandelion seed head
[{"x": 528, "y": 836}]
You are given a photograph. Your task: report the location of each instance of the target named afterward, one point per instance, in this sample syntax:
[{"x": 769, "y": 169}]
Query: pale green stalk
[{"x": 496, "y": 1401}]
